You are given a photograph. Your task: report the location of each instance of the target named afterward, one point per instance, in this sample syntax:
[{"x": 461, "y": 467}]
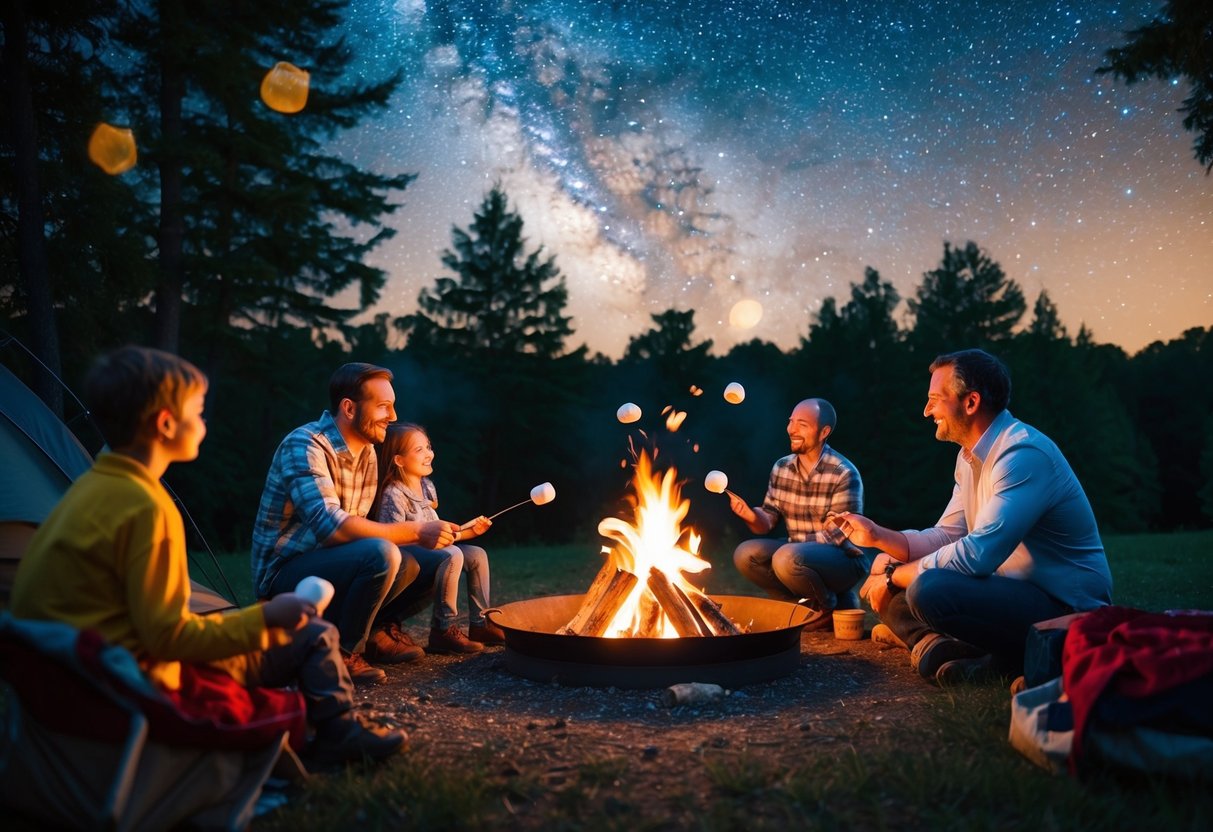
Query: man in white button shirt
[{"x": 1017, "y": 543}]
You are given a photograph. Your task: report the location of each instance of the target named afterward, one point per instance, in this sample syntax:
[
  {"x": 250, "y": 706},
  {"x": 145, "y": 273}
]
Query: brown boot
[
  {"x": 391, "y": 645},
  {"x": 486, "y": 633},
  {"x": 452, "y": 640},
  {"x": 362, "y": 673}
]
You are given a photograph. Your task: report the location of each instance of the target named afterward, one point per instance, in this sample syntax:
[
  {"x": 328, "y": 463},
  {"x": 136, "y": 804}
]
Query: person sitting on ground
[
  {"x": 313, "y": 520},
  {"x": 815, "y": 563},
  {"x": 1017, "y": 543},
  {"x": 406, "y": 492},
  {"x": 111, "y": 558}
]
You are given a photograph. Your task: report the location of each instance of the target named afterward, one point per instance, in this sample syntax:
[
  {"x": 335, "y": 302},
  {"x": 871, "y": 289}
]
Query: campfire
[{"x": 641, "y": 590}]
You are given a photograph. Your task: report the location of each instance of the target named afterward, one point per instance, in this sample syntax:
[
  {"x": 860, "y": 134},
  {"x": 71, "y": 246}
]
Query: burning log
[
  {"x": 719, "y": 623},
  {"x": 650, "y": 616},
  {"x": 681, "y": 613},
  {"x": 600, "y": 607},
  {"x": 592, "y": 596}
]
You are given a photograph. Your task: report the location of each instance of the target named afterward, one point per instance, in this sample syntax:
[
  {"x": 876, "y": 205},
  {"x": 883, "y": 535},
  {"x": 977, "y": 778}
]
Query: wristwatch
[{"x": 889, "y": 569}]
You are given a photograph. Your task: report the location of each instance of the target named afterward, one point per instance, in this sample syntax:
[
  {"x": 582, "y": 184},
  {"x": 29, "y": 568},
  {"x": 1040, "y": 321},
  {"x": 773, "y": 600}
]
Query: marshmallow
[
  {"x": 316, "y": 590},
  {"x": 734, "y": 393},
  {"x": 544, "y": 493},
  {"x": 628, "y": 413},
  {"x": 674, "y": 421},
  {"x": 716, "y": 482}
]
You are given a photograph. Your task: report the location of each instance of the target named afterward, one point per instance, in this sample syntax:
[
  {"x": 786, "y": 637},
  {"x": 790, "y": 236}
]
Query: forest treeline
[{"x": 231, "y": 238}]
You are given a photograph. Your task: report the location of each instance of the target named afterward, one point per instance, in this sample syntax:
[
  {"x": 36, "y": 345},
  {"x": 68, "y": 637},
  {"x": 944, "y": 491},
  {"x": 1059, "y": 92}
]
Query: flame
[{"x": 654, "y": 540}]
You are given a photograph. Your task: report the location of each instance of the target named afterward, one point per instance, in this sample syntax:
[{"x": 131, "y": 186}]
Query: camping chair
[{"x": 82, "y": 743}]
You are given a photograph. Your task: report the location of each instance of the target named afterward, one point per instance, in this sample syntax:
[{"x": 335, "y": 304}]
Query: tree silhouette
[
  {"x": 967, "y": 302},
  {"x": 502, "y": 301},
  {"x": 1176, "y": 43},
  {"x": 668, "y": 348},
  {"x": 1046, "y": 322}
]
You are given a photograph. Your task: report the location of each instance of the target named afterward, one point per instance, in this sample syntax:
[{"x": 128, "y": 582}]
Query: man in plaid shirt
[
  {"x": 815, "y": 563},
  {"x": 312, "y": 521}
]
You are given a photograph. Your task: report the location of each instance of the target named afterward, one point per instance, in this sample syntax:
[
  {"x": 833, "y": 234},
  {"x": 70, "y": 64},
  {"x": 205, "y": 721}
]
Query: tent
[{"x": 41, "y": 459}]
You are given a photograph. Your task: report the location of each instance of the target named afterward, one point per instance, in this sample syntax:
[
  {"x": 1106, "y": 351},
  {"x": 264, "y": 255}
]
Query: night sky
[{"x": 696, "y": 154}]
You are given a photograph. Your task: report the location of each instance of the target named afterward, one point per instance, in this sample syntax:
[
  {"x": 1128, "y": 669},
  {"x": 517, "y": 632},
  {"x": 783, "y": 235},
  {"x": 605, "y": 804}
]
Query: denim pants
[
  {"x": 439, "y": 576},
  {"x": 366, "y": 574},
  {"x": 993, "y": 613},
  {"x": 311, "y": 660},
  {"x": 819, "y": 572}
]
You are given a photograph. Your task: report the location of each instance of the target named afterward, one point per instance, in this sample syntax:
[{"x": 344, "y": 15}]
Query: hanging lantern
[
  {"x": 112, "y": 149},
  {"x": 284, "y": 88}
]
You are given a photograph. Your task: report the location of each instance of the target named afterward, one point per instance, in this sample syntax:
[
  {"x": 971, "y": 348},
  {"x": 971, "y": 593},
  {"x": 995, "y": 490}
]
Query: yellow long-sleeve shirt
[{"x": 111, "y": 557}]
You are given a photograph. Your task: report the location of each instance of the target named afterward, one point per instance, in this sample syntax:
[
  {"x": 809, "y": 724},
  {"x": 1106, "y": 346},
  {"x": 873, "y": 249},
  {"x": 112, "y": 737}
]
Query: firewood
[
  {"x": 709, "y": 610},
  {"x": 649, "y": 615},
  {"x": 700, "y": 624},
  {"x": 678, "y": 610},
  {"x": 616, "y": 594},
  {"x": 592, "y": 596}
]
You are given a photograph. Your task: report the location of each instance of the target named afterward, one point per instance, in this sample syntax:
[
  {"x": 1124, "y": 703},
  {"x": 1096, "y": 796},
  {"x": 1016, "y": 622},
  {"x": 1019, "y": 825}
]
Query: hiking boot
[
  {"x": 967, "y": 671},
  {"x": 935, "y": 649},
  {"x": 391, "y": 645},
  {"x": 452, "y": 640},
  {"x": 486, "y": 633},
  {"x": 343, "y": 739},
  {"x": 361, "y": 673},
  {"x": 883, "y": 635}
]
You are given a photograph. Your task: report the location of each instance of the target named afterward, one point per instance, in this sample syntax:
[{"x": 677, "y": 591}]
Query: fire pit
[{"x": 534, "y": 649}]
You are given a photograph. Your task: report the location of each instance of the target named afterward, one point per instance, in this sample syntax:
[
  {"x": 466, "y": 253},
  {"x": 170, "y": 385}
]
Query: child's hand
[
  {"x": 288, "y": 611},
  {"x": 474, "y": 527}
]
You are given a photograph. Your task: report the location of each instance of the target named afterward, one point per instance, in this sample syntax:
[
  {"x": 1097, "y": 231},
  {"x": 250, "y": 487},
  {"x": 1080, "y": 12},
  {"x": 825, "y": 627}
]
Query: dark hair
[
  {"x": 127, "y": 387},
  {"x": 347, "y": 381},
  {"x": 976, "y": 371},
  {"x": 393, "y": 443}
]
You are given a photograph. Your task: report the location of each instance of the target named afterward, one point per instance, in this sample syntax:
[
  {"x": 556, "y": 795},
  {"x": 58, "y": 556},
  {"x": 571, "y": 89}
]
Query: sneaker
[
  {"x": 883, "y": 635},
  {"x": 391, "y": 645},
  {"x": 486, "y": 633},
  {"x": 344, "y": 739},
  {"x": 935, "y": 649},
  {"x": 362, "y": 673},
  {"x": 452, "y": 640},
  {"x": 967, "y": 671}
]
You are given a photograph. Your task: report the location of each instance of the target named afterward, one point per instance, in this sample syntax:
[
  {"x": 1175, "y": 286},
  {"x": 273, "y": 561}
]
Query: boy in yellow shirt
[{"x": 111, "y": 557}]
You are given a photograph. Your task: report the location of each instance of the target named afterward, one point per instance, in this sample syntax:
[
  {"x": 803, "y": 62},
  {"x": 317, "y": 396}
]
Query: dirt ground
[{"x": 456, "y": 709}]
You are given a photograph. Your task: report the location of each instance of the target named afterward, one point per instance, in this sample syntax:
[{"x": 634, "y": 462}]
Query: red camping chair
[{"x": 88, "y": 743}]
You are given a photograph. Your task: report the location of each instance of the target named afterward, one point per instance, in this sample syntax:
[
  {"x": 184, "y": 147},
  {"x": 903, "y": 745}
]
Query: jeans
[
  {"x": 823, "y": 574},
  {"x": 992, "y": 613},
  {"x": 366, "y": 575},
  {"x": 311, "y": 659},
  {"x": 439, "y": 576}
]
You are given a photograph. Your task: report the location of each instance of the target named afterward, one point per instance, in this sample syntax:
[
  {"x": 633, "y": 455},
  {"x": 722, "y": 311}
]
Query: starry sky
[{"x": 700, "y": 153}]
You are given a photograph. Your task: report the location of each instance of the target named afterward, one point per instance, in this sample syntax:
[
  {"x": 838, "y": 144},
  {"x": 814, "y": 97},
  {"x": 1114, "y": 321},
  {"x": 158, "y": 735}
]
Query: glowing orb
[
  {"x": 284, "y": 88},
  {"x": 112, "y": 149},
  {"x": 734, "y": 393},
  {"x": 745, "y": 314}
]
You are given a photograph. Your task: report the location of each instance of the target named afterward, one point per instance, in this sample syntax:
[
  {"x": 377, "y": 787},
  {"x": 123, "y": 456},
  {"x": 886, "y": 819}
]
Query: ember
[{"x": 640, "y": 590}]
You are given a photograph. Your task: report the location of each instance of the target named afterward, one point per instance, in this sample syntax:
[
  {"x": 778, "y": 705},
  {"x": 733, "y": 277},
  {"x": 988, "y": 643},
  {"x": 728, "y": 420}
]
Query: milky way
[{"x": 692, "y": 155}]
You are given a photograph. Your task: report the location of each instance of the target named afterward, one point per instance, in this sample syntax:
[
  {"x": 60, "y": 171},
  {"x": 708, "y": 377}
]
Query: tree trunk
[
  {"x": 172, "y": 225},
  {"x": 31, "y": 240}
]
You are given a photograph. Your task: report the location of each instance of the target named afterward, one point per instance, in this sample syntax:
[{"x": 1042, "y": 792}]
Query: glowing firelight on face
[
  {"x": 745, "y": 314},
  {"x": 653, "y": 540}
]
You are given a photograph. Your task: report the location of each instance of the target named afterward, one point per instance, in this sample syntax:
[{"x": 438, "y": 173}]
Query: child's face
[
  {"x": 182, "y": 446},
  {"x": 417, "y": 457}
]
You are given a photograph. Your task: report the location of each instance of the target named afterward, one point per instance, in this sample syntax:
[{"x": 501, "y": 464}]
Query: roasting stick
[{"x": 540, "y": 495}]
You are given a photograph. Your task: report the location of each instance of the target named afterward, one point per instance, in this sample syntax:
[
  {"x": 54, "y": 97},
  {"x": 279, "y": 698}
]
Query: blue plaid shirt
[
  {"x": 804, "y": 502},
  {"x": 313, "y": 485}
]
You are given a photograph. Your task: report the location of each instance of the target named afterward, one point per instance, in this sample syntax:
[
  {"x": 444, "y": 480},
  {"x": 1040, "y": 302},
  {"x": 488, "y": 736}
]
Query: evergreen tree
[
  {"x": 967, "y": 302},
  {"x": 668, "y": 350},
  {"x": 502, "y": 300},
  {"x": 1178, "y": 43},
  {"x": 1046, "y": 323}
]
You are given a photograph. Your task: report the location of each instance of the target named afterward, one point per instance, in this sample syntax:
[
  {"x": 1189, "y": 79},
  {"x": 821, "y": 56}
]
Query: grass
[{"x": 910, "y": 779}]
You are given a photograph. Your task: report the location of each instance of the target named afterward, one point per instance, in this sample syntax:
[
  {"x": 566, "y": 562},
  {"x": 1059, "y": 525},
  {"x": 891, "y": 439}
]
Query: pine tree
[{"x": 502, "y": 300}]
